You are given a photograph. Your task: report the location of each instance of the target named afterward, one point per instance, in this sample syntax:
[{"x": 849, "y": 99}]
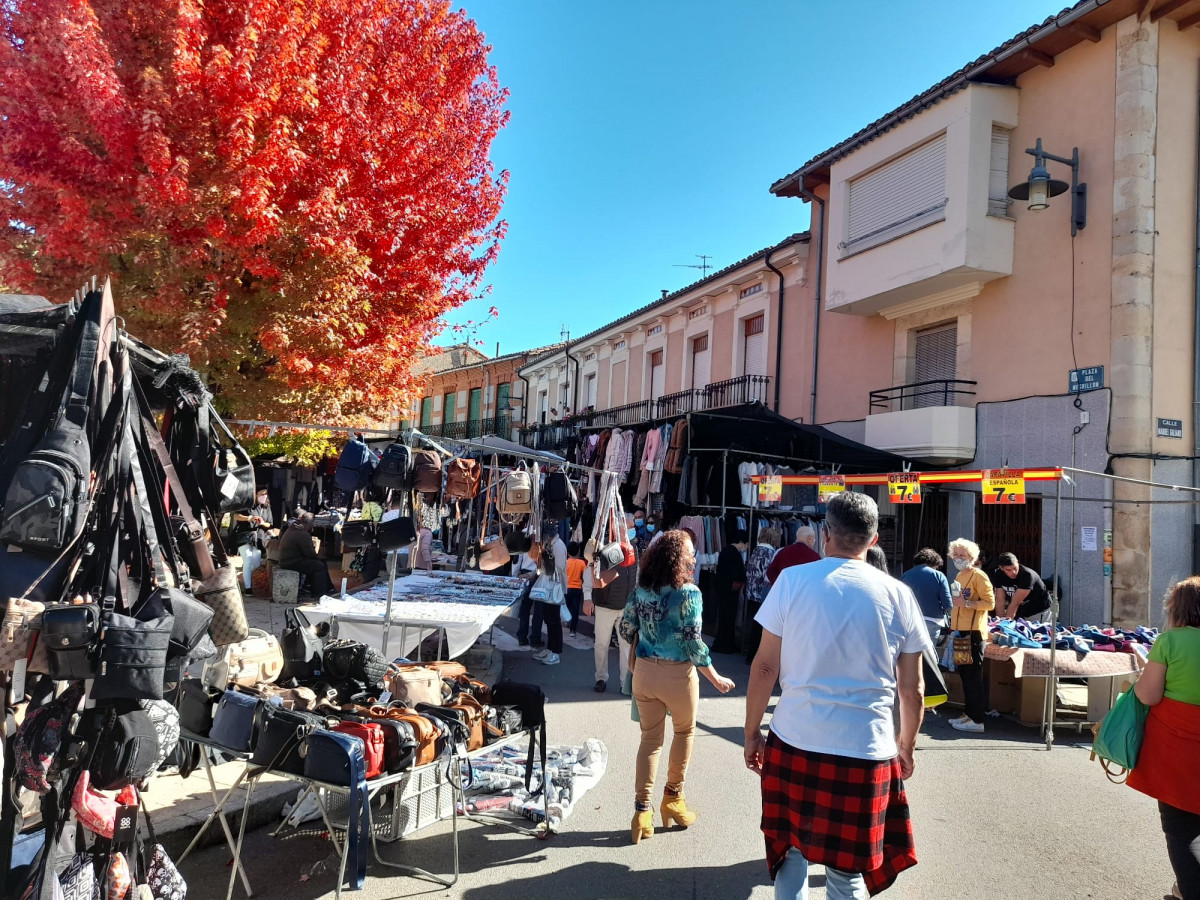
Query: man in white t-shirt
[{"x": 842, "y": 639}]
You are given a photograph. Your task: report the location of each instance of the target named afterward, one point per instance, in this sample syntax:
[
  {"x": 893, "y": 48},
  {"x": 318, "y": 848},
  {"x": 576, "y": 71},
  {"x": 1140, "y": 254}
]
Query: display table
[{"x": 460, "y": 606}]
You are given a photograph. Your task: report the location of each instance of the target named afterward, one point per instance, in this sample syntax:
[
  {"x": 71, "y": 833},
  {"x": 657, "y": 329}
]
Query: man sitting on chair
[{"x": 298, "y": 554}]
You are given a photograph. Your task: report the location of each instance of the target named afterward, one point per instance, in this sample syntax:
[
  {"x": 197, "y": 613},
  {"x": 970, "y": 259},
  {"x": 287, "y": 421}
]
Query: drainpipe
[
  {"x": 524, "y": 400},
  {"x": 778, "y": 325},
  {"x": 574, "y": 381},
  {"x": 1196, "y": 380},
  {"x": 813, "y": 198}
]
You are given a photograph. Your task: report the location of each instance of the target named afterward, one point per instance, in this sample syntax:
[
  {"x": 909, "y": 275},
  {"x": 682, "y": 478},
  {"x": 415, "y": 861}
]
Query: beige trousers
[{"x": 659, "y": 686}]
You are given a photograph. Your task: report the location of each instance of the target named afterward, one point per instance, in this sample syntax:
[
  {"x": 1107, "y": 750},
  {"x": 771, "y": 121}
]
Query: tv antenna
[{"x": 703, "y": 266}]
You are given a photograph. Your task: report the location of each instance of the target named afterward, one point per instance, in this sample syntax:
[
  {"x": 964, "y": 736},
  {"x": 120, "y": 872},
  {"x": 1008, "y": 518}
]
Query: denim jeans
[
  {"x": 574, "y": 604},
  {"x": 791, "y": 883}
]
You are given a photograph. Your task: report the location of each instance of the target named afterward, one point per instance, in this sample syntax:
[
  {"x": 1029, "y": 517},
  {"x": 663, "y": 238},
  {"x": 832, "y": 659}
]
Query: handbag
[
  {"x": 371, "y": 734},
  {"x": 279, "y": 733},
  {"x": 473, "y": 712},
  {"x": 197, "y": 703},
  {"x": 495, "y": 553},
  {"x": 127, "y": 745},
  {"x": 359, "y": 533},
  {"x": 395, "y": 534},
  {"x": 21, "y": 619},
  {"x": 132, "y": 658},
  {"x": 1118, "y": 737},
  {"x": 415, "y": 684},
  {"x": 353, "y": 659},
  {"x": 222, "y": 593},
  {"x": 256, "y": 660},
  {"x": 161, "y": 874},
  {"x": 303, "y": 651},
  {"x": 961, "y": 643},
  {"x": 223, "y": 471},
  {"x": 339, "y": 759},
  {"x": 233, "y": 722},
  {"x": 515, "y": 496},
  {"x": 41, "y": 738},
  {"x": 462, "y": 479},
  {"x": 93, "y": 809},
  {"x": 191, "y": 619},
  {"x": 71, "y": 632},
  {"x": 547, "y": 589}
]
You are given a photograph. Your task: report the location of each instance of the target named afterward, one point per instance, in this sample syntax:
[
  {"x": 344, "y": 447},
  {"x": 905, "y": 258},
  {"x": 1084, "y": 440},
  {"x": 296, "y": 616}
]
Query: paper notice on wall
[{"x": 1089, "y": 536}]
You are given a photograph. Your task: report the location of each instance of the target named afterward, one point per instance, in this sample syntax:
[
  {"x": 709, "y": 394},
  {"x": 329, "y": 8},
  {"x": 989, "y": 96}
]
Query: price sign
[
  {"x": 1003, "y": 486},
  {"x": 830, "y": 485},
  {"x": 770, "y": 489},
  {"x": 904, "y": 487}
]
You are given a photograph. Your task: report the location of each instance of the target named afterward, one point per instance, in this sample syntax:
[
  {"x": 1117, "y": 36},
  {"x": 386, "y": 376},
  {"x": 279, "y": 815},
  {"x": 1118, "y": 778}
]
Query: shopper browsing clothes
[
  {"x": 929, "y": 584},
  {"x": 842, "y": 639},
  {"x": 662, "y": 623},
  {"x": 1020, "y": 591},
  {"x": 608, "y": 603},
  {"x": 1166, "y": 766},
  {"x": 972, "y": 598},
  {"x": 757, "y": 584},
  {"x": 553, "y": 562}
]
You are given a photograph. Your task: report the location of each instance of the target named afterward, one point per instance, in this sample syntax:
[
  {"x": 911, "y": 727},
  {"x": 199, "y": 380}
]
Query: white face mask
[{"x": 962, "y": 564}]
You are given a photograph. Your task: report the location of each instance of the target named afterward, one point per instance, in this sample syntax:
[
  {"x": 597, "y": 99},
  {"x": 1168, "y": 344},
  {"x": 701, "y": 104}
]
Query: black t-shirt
[{"x": 1026, "y": 580}]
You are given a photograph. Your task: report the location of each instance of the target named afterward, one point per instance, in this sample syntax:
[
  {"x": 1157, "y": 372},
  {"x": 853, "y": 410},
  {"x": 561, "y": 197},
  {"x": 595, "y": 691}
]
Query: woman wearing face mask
[{"x": 973, "y": 597}]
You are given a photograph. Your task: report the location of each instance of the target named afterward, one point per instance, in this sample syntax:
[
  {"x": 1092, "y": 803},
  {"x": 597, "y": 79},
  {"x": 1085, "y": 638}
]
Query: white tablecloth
[{"x": 463, "y": 605}]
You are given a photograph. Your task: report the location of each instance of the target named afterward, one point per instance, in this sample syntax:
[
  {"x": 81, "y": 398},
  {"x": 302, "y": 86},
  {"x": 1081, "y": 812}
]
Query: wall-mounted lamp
[{"x": 1041, "y": 187}]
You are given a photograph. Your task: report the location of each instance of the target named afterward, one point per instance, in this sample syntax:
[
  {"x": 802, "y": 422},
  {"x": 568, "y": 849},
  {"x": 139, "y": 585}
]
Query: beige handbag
[
  {"x": 257, "y": 659},
  {"x": 415, "y": 684},
  {"x": 21, "y": 619}
]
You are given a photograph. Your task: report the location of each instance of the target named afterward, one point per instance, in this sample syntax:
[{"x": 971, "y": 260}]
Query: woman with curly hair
[{"x": 662, "y": 624}]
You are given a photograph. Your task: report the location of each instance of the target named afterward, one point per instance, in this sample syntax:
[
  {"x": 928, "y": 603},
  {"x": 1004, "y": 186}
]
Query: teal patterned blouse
[{"x": 666, "y": 624}]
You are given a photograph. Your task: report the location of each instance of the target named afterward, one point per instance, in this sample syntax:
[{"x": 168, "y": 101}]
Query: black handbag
[
  {"x": 71, "y": 633},
  {"x": 399, "y": 744},
  {"x": 197, "y": 704},
  {"x": 453, "y": 721},
  {"x": 358, "y": 533},
  {"x": 396, "y": 534},
  {"x": 223, "y": 469},
  {"x": 278, "y": 736},
  {"x": 191, "y": 619},
  {"x": 303, "y": 652},
  {"x": 127, "y": 746},
  {"x": 132, "y": 658},
  {"x": 354, "y": 660}
]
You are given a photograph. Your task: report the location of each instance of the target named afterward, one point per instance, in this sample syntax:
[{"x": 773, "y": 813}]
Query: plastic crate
[
  {"x": 285, "y": 586},
  {"x": 422, "y": 799}
]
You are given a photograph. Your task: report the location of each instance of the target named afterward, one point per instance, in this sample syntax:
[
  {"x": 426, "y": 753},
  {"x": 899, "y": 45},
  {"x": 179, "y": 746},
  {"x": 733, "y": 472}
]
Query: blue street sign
[{"x": 1083, "y": 380}]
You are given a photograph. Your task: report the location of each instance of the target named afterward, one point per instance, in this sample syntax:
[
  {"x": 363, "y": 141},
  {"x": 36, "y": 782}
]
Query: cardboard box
[{"x": 1003, "y": 686}]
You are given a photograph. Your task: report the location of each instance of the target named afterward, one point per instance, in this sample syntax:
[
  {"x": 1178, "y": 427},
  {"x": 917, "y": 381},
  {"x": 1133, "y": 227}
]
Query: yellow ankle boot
[
  {"x": 642, "y": 825},
  {"x": 674, "y": 807}
]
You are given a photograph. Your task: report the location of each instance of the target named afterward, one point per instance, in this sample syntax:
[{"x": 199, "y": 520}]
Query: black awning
[{"x": 754, "y": 429}]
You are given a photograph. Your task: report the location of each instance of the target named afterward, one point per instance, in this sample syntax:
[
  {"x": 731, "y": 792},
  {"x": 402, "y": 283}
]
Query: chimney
[{"x": 664, "y": 293}]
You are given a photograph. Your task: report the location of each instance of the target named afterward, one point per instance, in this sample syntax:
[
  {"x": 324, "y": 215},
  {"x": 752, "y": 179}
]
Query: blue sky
[{"x": 644, "y": 133}]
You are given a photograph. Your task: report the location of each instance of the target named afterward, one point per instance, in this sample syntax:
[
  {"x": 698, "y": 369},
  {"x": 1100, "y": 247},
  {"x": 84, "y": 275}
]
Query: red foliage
[{"x": 290, "y": 192}]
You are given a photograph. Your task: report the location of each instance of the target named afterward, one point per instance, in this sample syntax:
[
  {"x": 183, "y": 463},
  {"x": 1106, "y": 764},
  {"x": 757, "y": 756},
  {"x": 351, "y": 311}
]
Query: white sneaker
[
  {"x": 966, "y": 724},
  {"x": 541, "y": 654},
  {"x": 553, "y": 659},
  {"x": 524, "y": 647}
]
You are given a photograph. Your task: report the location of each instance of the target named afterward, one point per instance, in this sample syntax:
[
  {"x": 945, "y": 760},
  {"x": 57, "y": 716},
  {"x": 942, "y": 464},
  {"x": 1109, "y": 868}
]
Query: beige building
[{"x": 951, "y": 317}]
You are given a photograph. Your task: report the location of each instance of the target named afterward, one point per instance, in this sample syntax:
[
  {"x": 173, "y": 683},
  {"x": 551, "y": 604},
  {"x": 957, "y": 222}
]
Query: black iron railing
[
  {"x": 940, "y": 392},
  {"x": 471, "y": 428}
]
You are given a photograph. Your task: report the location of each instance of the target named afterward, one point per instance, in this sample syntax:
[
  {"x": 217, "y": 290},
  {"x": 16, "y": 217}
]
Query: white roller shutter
[
  {"x": 936, "y": 353},
  {"x": 755, "y": 350},
  {"x": 998, "y": 172},
  {"x": 700, "y": 370},
  {"x": 658, "y": 374},
  {"x": 616, "y": 397},
  {"x": 591, "y": 390},
  {"x": 898, "y": 193}
]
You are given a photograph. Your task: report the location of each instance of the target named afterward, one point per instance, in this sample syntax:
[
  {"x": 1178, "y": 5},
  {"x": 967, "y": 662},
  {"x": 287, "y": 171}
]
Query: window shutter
[
  {"x": 426, "y": 412},
  {"x": 936, "y": 354},
  {"x": 657, "y": 374},
  {"x": 618, "y": 384},
  {"x": 700, "y": 371},
  {"x": 998, "y": 172},
  {"x": 754, "y": 357},
  {"x": 474, "y": 405},
  {"x": 591, "y": 390},
  {"x": 898, "y": 192}
]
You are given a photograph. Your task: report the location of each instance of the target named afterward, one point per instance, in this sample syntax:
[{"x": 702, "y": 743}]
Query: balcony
[
  {"x": 925, "y": 421},
  {"x": 471, "y": 428},
  {"x": 556, "y": 436}
]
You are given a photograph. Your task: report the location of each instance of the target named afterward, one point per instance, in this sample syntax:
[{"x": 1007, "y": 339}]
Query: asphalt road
[{"x": 994, "y": 817}]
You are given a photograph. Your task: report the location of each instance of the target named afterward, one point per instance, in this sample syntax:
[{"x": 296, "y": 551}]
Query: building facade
[{"x": 955, "y": 324}]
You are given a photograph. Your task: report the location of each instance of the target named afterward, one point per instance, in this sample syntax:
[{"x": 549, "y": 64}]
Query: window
[
  {"x": 619, "y": 345},
  {"x": 898, "y": 197},
  {"x": 653, "y": 330},
  {"x": 700, "y": 362},
  {"x": 590, "y": 393},
  {"x": 998, "y": 172},
  {"x": 503, "y": 399},
  {"x": 543, "y": 406},
  {"x": 697, "y": 312},
  {"x": 657, "y": 374},
  {"x": 426, "y": 412},
  {"x": 589, "y": 357},
  {"x": 474, "y": 411},
  {"x": 754, "y": 348},
  {"x": 448, "y": 406},
  {"x": 618, "y": 384},
  {"x": 935, "y": 353},
  {"x": 750, "y": 291}
]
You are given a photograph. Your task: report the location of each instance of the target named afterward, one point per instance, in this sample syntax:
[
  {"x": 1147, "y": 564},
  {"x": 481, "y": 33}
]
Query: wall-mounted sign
[
  {"x": 1170, "y": 428},
  {"x": 1088, "y": 537},
  {"x": 1108, "y": 554},
  {"x": 904, "y": 487},
  {"x": 1003, "y": 486},
  {"x": 1108, "y": 539},
  {"x": 1108, "y": 570},
  {"x": 830, "y": 485},
  {"x": 1080, "y": 381},
  {"x": 770, "y": 489}
]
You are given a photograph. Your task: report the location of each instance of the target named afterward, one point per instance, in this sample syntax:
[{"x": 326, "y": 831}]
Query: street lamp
[{"x": 1040, "y": 187}]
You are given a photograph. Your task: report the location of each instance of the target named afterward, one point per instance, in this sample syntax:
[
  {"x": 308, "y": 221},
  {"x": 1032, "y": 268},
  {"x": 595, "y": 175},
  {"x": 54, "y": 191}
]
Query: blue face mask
[
  {"x": 632, "y": 533},
  {"x": 639, "y": 522},
  {"x": 650, "y": 527}
]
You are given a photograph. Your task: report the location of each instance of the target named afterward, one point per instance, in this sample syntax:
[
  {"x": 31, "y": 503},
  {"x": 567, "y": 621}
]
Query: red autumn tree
[{"x": 292, "y": 192}]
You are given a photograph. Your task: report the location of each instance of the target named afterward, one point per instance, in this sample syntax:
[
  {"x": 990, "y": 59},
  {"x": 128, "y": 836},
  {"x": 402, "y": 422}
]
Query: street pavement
[{"x": 994, "y": 815}]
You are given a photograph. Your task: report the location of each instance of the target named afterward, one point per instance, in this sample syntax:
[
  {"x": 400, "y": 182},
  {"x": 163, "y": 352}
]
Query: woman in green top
[
  {"x": 661, "y": 622},
  {"x": 1166, "y": 766}
]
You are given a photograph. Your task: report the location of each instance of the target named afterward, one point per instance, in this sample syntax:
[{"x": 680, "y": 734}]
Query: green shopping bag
[{"x": 1118, "y": 738}]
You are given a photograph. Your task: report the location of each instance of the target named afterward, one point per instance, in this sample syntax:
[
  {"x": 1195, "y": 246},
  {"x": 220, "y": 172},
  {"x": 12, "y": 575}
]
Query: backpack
[
  {"x": 462, "y": 479},
  {"x": 393, "y": 471},
  {"x": 355, "y": 467},
  {"x": 516, "y": 492},
  {"x": 426, "y": 472},
  {"x": 559, "y": 501}
]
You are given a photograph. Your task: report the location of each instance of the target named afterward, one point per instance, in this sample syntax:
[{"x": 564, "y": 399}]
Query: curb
[{"x": 266, "y": 808}]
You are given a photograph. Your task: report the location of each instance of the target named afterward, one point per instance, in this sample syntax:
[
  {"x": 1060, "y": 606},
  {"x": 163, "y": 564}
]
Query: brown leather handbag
[
  {"x": 423, "y": 730},
  {"x": 473, "y": 714},
  {"x": 462, "y": 479},
  {"x": 492, "y": 554}
]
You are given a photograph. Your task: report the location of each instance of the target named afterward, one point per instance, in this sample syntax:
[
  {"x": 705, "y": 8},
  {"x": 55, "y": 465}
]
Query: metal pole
[
  {"x": 724, "y": 478},
  {"x": 387, "y": 615},
  {"x": 1051, "y": 700}
]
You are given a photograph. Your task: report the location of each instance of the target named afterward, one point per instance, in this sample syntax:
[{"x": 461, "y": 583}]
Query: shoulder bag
[
  {"x": 132, "y": 658},
  {"x": 340, "y": 760},
  {"x": 492, "y": 554},
  {"x": 396, "y": 534},
  {"x": 1118, "y": 737}
]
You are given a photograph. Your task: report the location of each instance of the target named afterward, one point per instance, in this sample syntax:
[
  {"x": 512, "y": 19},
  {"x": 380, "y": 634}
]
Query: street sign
[
  {"x": 770, "y": 489},
  {"x": 1080, "y": 381},
  {"x": 830, "y": 485},
  {"x": 1005, "y": 486},
  {"x": 904, "y": 487},
  {"x": 1170, "y": 428},
  {"x": 1107, "y": 570}
]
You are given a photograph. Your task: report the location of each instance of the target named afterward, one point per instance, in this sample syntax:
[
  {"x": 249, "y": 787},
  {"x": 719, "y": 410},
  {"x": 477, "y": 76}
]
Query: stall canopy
[
  {"x": 501, "y": 445},
  {"x": 755, "y": 429}
]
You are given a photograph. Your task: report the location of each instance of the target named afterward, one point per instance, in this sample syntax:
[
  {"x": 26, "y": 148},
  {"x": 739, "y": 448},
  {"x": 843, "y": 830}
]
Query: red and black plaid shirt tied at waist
[{"x": 849, "y": 814}]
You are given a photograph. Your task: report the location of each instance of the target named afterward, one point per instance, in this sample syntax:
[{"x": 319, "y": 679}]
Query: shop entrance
[
  {"x": 1016, "y": 529},
  {"x": 925, "y": 525}
]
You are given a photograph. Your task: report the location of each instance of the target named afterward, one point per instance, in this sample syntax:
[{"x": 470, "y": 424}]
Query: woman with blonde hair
[
  {"x": 1166, "y": 765},
  {"x": 972, "y": 598}
]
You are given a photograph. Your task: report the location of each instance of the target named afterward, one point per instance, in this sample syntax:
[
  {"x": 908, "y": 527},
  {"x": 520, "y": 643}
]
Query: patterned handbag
[
  {"x": 21, "y": 619},
  {"x": 78, "y": 880},
  {"x": 161, "y": 875}
]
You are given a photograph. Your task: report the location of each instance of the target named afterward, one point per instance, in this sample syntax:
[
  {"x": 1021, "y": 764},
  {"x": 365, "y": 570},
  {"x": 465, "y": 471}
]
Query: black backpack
[
  {"x": 355, "y": 467},
  {"x": 558, "y": 499},
  {"x": 303, "y": 651},
  {"x": 127, "y": 745},
  {"x": 394, "y": 467}
]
